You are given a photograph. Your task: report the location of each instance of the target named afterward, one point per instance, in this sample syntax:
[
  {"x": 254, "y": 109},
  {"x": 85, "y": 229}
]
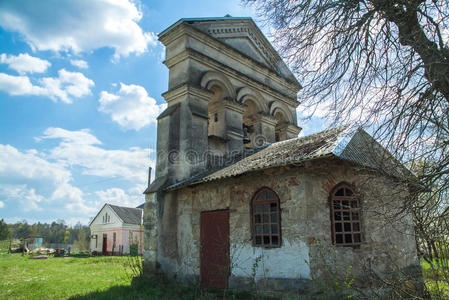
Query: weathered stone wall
[
  {"x": 201, "y": 68},
  {"x": 306, "y": 251}
]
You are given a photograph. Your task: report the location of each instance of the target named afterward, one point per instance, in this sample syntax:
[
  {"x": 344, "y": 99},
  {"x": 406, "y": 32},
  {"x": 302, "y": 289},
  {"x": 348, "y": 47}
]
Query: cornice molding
[
  {"x": 234, "y": 105},
  {"x": 293, "y": 129},
  {"x": 186, "y": 89},
  {"x": 232, "y": 73},
  {"x": 184, "y": 30},
  {"x": 267, "y": 119}
]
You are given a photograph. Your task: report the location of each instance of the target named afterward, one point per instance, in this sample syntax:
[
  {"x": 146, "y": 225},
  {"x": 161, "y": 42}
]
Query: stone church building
[{"x": 238, "y": 198}]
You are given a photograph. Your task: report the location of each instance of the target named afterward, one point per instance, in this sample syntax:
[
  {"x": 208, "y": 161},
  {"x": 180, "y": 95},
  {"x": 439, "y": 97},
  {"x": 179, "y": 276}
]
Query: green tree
[
  {"x": 379, "y": 63},
  {"x": 83, "y": 241},
  {"x": 4, "y": 230},
  {"x": 66, "y": 237},
  {"x": 383, "y": 64},
  {"x": 23, "y": 230}
]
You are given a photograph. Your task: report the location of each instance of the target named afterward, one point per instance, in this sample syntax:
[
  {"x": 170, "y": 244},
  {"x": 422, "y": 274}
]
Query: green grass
[
  {"x": 436, "y": 282},
  {"x": 4, "y": 247},
  {"x": 58, "y": 278},
  {"x": 85, "y": 278}
]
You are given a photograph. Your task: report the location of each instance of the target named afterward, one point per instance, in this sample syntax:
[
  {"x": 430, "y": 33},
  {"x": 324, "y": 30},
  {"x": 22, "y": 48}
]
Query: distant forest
[{"x": 55, "y": 233}]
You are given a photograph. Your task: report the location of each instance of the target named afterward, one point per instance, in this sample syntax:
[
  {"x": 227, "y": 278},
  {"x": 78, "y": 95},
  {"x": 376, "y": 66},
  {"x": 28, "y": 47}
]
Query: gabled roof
[
  {"x": 182, "y": 20},
  {"x": 128, "y": 215},
  {"x": 229, "y": 29},
  {"x": 346, "y": 143}
]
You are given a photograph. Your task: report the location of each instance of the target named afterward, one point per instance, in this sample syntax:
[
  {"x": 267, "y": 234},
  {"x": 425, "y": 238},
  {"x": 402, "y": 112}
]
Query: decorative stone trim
[
  {"x": 216, "y": 76},
  {"x": 277, "y": 105},
  {"x": 247, "y": 92},
  {"x": 267, "y": 119},
  {"x": 186, "y": 89},
  {"x": 215, "y": 65},
  {"x": 224, "y": 32},
  {"x": 292, "y": 129},
  {"x": 234, "y": 133},
  {"x": 186, "y": 30},
  {"x": 233, "y": 105}
]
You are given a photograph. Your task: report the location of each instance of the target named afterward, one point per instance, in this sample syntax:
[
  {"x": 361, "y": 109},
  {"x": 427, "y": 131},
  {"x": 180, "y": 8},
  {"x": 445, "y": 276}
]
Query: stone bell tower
[
  {"x": 224, "y": 76},
  {"x": 228, "y": 91}
]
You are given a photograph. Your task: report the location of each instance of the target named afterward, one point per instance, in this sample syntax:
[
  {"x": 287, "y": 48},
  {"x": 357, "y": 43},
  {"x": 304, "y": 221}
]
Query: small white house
[{"x": 115, "y": 228}]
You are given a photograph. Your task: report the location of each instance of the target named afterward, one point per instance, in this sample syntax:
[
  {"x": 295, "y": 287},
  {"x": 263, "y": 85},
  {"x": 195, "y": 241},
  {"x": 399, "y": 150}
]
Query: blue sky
[{"x": 80, "y": 90}]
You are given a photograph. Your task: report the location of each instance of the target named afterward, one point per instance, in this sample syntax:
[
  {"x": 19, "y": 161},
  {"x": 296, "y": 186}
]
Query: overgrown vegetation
[
  {"x": 87, "y": 278},
  {"x": 436, "y": 280},
  {"x": 57, "y": 232},
  {"x": 4, "y": 230},
  {"x": 381, "y": 64},
  {"x": 111, "y": 278}
]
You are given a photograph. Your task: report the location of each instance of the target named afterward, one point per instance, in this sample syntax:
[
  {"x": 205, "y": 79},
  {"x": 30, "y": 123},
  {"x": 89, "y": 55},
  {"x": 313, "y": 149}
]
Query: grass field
[
  {"x": 101, "y": 278},
  {"x": 76, "y": 278},
  {"x": 59, "y": 278},
  {"x": 82, "y": 279}
]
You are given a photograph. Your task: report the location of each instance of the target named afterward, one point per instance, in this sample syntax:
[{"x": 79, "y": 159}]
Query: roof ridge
[
  {"x": 129, "y": 215},
  {"x": 203, "y": 19},
  {"x": 309, "y": 136},
  {"x": 122, "y": 206},
  {"x": 343, "y": 142}
]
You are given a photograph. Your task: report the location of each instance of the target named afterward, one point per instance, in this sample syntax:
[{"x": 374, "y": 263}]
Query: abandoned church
[{"x": 238, "y": 197}]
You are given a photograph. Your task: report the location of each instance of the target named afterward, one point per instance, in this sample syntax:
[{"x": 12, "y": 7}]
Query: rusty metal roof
[
  {"x": 283, "y": 153},
  {"x": 346, "y": 142}
]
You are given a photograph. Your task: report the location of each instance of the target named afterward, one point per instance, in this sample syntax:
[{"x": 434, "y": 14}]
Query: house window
[
  {"x": 266, "y": 223},
  {"x": 106, "y": 218},
  {"x": 96, "y": 241},
  {"x": 345, "y": 216}
]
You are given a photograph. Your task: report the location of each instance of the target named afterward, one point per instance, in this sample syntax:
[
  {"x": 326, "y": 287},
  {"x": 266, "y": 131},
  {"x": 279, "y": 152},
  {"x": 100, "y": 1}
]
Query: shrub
[{"x": 134, "y": 249}]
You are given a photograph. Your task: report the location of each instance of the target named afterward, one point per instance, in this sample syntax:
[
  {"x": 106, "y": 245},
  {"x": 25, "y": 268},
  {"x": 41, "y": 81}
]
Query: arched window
[
  {"x": 345, "y": 216},
  {"x": 280, "y": 131},
  {"x": 266, "y": 219}
]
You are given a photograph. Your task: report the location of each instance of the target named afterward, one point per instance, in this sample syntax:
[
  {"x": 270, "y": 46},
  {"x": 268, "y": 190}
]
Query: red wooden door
[
  {"x": 105, "y": 244},
  {"x": 215, "y": 249}
]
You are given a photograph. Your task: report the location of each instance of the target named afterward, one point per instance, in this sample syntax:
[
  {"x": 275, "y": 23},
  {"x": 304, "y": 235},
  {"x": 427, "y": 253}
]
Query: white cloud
[
  {"x": 117, "y": 196},
  {"x": 43, "y": 181},
  {"x": 30, "y": 165},
  {"x": 26, "y": 197},
  {"x": 24, "y": 63},
  {"x": 30, "y": 200},
  {"x": 2, "y": 204},
  {"x": 138, "y": 190},
  {"x": 79, "y": 63},
  {"x": 80, "y": 148},
  {"x": 319, "y": 110},
  {"x": 19, "y": 85},
  {"x": 130, "y": 107},
  {"x": 81, "y": 25},
  {"x": 80, "y": 137},
  {"x": 81, "y": 206},
  {"x": 65, "y": 87},
  {"x": 27, "y": 176}
]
